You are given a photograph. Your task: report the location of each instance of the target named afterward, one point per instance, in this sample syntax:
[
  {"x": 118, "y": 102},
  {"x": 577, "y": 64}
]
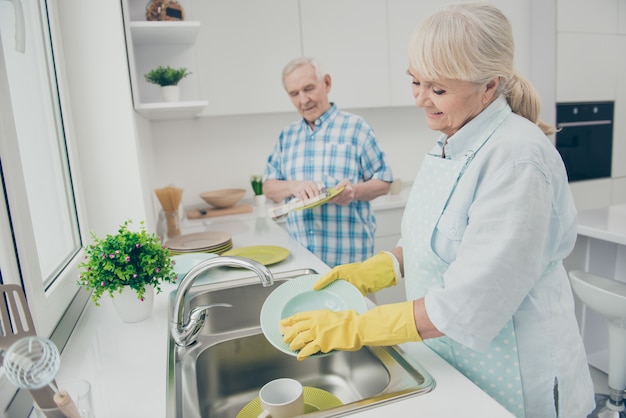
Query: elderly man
[{"x": 335, "y": 148}]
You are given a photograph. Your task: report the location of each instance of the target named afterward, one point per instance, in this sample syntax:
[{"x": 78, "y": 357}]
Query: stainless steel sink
[{"x": 224, "y": 370}]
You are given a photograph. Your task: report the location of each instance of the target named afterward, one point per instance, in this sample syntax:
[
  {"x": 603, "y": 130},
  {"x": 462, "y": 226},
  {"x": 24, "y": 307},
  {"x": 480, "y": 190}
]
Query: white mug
[{"x": 281, "y": 398}]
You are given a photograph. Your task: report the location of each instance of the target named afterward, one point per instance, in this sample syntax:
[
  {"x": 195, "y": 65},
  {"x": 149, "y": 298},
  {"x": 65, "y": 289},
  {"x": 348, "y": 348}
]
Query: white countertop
[
  {"x": 126, "y": 362},
  {"x": 391, "y": 201},
  {"x": 607, "y": 224}
]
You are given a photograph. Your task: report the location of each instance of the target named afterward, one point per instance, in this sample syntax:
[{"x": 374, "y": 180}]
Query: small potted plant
[
  {"x": 128, "y": 265},
  {"x": 257, "y": 187},
  {"x": 167, "y": 78}
]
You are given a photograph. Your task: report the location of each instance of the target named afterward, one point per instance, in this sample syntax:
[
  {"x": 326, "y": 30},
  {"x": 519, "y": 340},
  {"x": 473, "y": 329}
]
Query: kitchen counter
[
  {"x": 600, "y": 249},
  {"x": 606, "y": 224},
  {"x": 393, "y": 201},
  {"x": 126, "y": 362}
]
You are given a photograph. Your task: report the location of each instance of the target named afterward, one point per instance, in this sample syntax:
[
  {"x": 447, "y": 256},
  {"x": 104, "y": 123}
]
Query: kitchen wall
[
  {"x": 124, "y": 157},
  {"x": 591, "y": 63},
  {"x": 114, "y": 143},
  {"x": 215, "y": 152}
]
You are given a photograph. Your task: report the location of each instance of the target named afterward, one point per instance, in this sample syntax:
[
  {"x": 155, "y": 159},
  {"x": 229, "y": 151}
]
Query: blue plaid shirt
[{"x": 342, "y": 145}]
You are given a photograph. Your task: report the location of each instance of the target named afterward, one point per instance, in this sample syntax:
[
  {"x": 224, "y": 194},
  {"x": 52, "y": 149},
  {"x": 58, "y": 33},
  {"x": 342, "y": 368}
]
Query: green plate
[
  {"x": 331, "y": 193},
  {"x": 297, "y": 295},
  {"x": 264, "y": 254},
  {"x": 314, "y": 400}
]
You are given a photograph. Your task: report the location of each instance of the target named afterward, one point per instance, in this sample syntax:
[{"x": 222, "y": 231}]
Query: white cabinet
[
  {"x": 242, "y": 48},
  {"x": 349, "y": 38},
  {"x": 387, "y": 228},
  {"x": 600, "y": 249},
  {"x": 408, "y": 15},
  {"x": 151, "y": 44},
  {"x": 387, "y": 235}
]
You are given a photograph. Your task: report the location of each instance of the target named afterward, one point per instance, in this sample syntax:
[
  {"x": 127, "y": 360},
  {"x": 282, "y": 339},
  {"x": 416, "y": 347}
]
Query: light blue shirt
[
  {"x": 342, "y": 145},
  {"x": 507, "y": 226}
]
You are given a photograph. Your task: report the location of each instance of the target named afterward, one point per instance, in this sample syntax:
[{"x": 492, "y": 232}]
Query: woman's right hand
[{"x": 369, "y": 276}]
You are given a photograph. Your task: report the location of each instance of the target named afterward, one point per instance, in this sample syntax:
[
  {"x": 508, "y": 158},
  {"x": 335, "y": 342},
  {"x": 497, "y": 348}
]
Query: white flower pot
[
  {"x": 259, "y": 200},
  {"x": 170, "y": 93},
  {"x": 132, "y": 309}
]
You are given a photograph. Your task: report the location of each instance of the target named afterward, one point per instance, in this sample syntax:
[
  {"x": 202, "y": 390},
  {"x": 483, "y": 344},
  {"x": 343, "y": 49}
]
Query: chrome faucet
[{"x": 184, "y": 331}]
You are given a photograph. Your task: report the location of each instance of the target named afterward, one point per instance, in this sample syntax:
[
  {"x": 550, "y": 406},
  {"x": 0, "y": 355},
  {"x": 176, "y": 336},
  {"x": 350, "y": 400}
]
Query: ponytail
[{"x": 524, "y": 101}]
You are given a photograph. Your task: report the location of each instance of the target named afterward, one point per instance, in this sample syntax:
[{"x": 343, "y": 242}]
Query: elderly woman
[{"x": 486, "y": 227}]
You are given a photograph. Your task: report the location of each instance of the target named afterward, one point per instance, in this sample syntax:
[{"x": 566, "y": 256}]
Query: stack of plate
[{"x": 200, "y": 242}]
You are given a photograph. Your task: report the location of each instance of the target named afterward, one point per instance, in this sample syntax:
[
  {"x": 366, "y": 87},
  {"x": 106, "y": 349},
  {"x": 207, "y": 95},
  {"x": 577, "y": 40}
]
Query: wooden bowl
[{"x": 223, "y": 198}]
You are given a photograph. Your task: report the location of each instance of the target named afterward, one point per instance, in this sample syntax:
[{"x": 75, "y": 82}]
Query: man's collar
[{"x": 331, "y": 112}]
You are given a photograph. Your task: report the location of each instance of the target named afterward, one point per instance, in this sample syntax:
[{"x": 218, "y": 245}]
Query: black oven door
[{"x": 585, "y": 139}]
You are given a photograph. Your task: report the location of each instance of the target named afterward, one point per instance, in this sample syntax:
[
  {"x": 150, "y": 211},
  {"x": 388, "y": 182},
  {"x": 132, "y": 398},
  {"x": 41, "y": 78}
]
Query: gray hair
[
  {"x": 474, "y": 42},
  {"x": 300, "y": 62}
]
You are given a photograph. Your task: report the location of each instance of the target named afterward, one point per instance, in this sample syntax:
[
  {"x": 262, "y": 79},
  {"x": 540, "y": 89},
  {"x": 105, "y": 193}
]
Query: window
[{"x": 40, "y": 209}]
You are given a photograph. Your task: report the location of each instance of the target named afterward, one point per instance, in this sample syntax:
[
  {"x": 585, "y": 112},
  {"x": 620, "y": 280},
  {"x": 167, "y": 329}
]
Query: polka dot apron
[{"x": 496, "y": 371}]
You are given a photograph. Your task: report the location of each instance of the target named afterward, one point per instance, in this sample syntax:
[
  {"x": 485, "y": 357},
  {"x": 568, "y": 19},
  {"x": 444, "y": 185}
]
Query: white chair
[{"x": 608, "y": 298}]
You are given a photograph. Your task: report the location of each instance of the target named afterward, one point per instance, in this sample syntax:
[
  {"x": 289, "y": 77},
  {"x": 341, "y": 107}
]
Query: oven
[{"x": 585, "y": 139}]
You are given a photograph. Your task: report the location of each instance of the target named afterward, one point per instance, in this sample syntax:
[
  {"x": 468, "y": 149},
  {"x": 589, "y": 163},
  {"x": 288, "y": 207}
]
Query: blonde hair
[{"x": 474, "y": 42}]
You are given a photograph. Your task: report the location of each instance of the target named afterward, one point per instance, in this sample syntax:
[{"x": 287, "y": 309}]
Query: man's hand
[
  {"x": 304, "y": 189},
  {"x": 347, "y": 195}
]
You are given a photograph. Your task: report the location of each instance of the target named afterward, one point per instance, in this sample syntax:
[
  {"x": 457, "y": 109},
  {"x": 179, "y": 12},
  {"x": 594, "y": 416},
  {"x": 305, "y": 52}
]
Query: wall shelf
[
  {"x": 164, "y": 33},
  {"x": 171, "y": 110},
  {"x": 150, "y": 44}
]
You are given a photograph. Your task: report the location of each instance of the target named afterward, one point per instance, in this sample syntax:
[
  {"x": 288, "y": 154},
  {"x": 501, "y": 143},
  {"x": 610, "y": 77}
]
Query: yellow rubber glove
[
  {"x": 325, "y": 330},
  {"x": 369, "y": 276}
]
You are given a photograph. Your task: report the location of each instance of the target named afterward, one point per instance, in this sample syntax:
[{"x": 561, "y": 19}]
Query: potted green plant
[
  {"x": 167, "y": 78},
  {"x": 256, "y": 182},
  {"x": 130, "y": 263}
]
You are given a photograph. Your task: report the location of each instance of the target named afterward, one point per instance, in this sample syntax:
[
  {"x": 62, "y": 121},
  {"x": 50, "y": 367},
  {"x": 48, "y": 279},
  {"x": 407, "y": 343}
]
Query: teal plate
[
  {"x": 187, "y": 261},
  {"x": 297, "y": 295}
]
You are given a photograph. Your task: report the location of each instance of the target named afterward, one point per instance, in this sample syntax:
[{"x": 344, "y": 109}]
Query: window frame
[
  {"x": 56, "y": 307},
  {"x": 46, "y": 305}
]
